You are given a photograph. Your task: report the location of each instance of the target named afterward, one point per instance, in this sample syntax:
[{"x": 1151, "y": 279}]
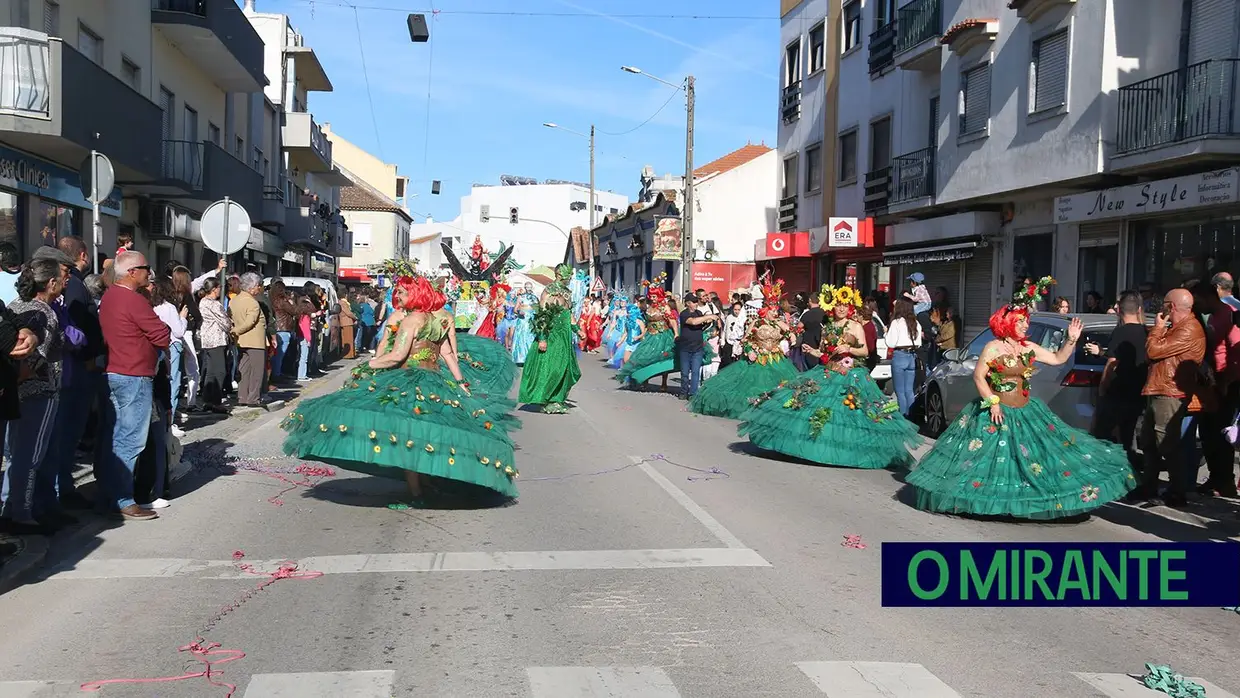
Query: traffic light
[{"x": 512, "y": 215}]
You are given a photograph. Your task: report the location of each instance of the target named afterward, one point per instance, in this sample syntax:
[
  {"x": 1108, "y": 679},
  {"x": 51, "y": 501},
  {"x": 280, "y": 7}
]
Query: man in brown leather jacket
[{"x": 1175, "y": 348}]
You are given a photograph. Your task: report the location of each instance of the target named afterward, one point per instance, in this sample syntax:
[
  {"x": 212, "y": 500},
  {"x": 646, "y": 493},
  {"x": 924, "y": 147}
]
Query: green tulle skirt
[
  {"x": 388, "y": 422},
  {"x": 1033, "y": 466},
  {"x": 833, "y": 419},
  {"x": 485, "y": 364},
  {"x": 654, "y": 356},
  {"x": 549, "y": 375},
  {"x": 727, "y": 394}
]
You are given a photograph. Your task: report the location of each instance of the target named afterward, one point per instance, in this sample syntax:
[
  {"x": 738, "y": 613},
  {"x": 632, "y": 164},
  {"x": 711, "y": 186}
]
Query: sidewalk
[{"x": 34, "y": 549}]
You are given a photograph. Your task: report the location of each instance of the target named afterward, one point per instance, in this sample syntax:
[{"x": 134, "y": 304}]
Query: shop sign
[
  {"x": 842, "y": 232},
  {"x": 323, "y": 264},
  {"x": 24, "y": 173},
  {"x": 668, "y": 241},
  {"x": 787, "y": 245},
  {"x": 1164, "y": 196},
  {"x": 723, "y": 277},
  {"x": 294, "y": 256}
]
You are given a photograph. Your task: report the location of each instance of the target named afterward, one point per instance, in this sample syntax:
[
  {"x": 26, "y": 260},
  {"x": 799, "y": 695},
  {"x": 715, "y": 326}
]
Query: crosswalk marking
[
  {"x": 1130, "y": 686},
  {"x": 332, "y": 684},
  {"x": 875, "y": 680},
  {"x": 600, "y": 682}
]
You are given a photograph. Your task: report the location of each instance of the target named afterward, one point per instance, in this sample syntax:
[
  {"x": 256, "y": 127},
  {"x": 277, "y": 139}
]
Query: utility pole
[
  {"x": 687, "y": 222},
  {"x": 590, "y": 235}
]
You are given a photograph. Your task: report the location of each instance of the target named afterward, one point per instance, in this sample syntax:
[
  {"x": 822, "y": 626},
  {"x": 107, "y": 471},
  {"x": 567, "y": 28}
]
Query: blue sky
[{"x": 493, "y": 79}]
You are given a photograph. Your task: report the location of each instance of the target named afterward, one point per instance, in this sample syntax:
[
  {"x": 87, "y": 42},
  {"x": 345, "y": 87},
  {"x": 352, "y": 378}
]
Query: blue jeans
[
  {"x": 690, "y": 371},
  {"x": 303, "y": 359},
  {"x": 283, "y": 340},
  {"x": 175, "y": 350},
  {"x": 28, "y": 441},
  {"x": 127, "y": 420},
  {"x": 904, "y": 375},
  {"x": 76, "y": 402}
]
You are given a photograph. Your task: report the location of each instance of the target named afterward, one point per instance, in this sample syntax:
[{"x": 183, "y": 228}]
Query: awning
[{"x": 924, "y": 255}]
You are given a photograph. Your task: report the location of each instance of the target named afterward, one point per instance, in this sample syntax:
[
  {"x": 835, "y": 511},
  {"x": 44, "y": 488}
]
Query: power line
[
  {"x": 374, "y": 120},
  {"x": 430, "y": 71},
  {"x": 504, "y": 13},
  {"x": 652, "y": 116}
]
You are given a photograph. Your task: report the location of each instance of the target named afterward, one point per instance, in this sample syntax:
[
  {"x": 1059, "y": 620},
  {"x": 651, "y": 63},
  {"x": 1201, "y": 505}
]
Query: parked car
[
  {"x": 1069, "y": 390},
  {"x": 881, "y": 373}
]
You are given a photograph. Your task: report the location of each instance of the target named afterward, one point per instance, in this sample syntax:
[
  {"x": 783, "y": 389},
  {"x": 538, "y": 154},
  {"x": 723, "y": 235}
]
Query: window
[
  {"x": 239, "y": 149},
  {"x": 19, "y": 14},
  {"x": 213, "y": 133},
  {"x": 813, "y": 168},
  {"x": 266, "y": 169},
  {"x": 792, "y": 63},
  {"x": 258, "y": 159},
  {"x": 189, "y": 126},
  {"x": 975, "y": 100},
  {"x": 361, "y": 234},
  {"x": 852, "y": 25},
  {"x": 884, "y": 13},
  {"x": 790, "y": 177},
  {"x": 51, "y": 18},
  {"x": 131, "y": 74},
  {"x": 848, "y": 156},
  {"x": 880, "y": 144},
  {"x": 974, "y": 350},
  {"x": 1048, "y": 72},
  {"x": 817, "y": 48},
  {"x": 89, "y": 44}
]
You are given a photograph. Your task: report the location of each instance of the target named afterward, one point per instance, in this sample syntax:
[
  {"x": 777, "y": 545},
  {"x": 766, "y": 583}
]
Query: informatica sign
[{"x": 1164, "y": 196}]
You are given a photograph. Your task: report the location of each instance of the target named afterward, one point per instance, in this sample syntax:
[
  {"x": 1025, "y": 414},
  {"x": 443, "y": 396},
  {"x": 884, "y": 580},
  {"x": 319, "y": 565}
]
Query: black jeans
[
  {"x": 1116, "y": 420},
  {"x": 214, "y": 375},
  {"x": 1219, "y": 454}
]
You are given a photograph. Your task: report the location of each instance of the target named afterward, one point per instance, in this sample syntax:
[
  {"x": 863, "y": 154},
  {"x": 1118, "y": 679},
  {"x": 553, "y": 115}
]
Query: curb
[{"x": 34, "y": 552}]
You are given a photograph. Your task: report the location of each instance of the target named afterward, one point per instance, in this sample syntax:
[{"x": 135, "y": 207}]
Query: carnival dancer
[
  {"x": 503, "y": 329},
  {"x": 485, "y": 363},
  {"x": 522, "y": 335},
  {"x": 591, "y": 326},
  {"x": 655, "y": 354},
  {"x": 400, "y": 416},
  {"x": 551, "y": 369},
  {"x": 633, "y": 329},
  {"x": 1007, "y": 454},
  {"x": 489, "y": 309},
  {"x": 613, "y": 331},
  {"x": 760, "y": 367},
  {"x": 840, "y": 416}
]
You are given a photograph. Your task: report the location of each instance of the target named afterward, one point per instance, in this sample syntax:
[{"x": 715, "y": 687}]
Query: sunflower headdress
[
  {"x": 831, "y": 296},
  {"x": 1028, "y": 296}
]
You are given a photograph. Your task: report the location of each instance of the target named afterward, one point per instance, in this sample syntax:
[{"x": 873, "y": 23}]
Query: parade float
[{"x": 471, "y": 281}]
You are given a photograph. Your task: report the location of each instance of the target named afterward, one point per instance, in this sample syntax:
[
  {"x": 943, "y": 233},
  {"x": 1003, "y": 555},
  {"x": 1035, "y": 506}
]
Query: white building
[
  {"x": 545, "y": 213},
  {"x": 1045, "y": 99},
  {"x": 379, "y": 227}
]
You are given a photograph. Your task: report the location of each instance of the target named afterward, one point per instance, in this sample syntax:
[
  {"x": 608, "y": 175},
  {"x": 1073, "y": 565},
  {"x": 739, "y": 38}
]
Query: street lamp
[
  {"x": 687, "y": 209},
  {"x": 548, "y": 124}
]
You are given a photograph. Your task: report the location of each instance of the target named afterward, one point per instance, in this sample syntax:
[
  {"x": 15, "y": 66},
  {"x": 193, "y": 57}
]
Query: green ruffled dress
[
  {"x": 1033, "y": 466},
  {"x": 387, "y": 422},
  {"x": 485, "y": 364},
  {"x": 729, "y": 392},
  {"x": 839, "y": 417},
  {"x": 549, "y": 375},
  {"x": 654, "y": 356}
]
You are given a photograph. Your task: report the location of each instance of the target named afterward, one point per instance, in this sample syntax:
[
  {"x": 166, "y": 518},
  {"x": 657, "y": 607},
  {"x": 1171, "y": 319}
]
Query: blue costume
[
  {"x": 507, "y": 323},
  {"x": 634, "y": 326},
  {"x": 613, "y": 333},
  {"x": 523, "y": 333}
]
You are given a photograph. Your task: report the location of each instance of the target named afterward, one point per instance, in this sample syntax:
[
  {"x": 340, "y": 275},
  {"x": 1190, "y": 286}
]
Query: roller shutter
[
  {"x": 1212, "y": 30},
  {"x": 795, "y": 271},
  {"x": 1099, "y": 231},
  {"x": 976, "y": 305}
]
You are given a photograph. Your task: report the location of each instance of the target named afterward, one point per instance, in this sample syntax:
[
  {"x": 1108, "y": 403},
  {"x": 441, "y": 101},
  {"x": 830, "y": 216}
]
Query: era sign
[{"x": 842, "y": 232}]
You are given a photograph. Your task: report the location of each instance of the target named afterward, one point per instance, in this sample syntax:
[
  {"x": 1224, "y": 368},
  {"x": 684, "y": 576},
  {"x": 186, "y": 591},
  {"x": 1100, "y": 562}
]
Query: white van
[{"x": 296, "y": 283}]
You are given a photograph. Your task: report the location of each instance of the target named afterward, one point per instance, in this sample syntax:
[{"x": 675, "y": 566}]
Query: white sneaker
[
  {"x": 160, "y": 503},
  {"x": 177, "y": 432},
  {"x": 234, "y": 385}
]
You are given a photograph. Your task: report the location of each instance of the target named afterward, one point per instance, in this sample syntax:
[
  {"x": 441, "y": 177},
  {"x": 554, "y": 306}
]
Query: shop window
[
  {"x": 1166, "y": 255},
  {"x": 1033, "y": 256},
  {"x": 56, "y": 222},
  {"x": 12, "y": 214}
]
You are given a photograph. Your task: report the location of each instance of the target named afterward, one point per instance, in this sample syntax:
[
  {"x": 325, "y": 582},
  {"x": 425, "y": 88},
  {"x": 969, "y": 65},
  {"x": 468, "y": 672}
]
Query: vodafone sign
[{"x": 787, "y": 245}]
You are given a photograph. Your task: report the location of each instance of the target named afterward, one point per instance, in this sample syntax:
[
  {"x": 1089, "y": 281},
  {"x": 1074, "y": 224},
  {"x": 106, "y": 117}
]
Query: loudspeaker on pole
[{"x": 418, "y": 33}]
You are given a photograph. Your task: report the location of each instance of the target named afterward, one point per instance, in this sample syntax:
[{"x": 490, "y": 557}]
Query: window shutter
[
  {"x": 51, "y": 18},
  {"x": 1050, "y": 72},
  {"x": 975, "y": 111}
]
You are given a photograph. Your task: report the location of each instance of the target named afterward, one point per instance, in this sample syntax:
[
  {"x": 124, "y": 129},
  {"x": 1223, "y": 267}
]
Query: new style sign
[{"x": 1164, "y": 196}]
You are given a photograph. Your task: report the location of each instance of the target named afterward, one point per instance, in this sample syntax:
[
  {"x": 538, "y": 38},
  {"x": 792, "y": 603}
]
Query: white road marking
[
  {"x": 875, "y": 680},
  {"x": 421, "y": 562},
  {"x": 712, "y": 525},
  {"x": 332, "y": 684},
  {"x": 1130, "y": 686},
  {"x": 600, "y": 682}
]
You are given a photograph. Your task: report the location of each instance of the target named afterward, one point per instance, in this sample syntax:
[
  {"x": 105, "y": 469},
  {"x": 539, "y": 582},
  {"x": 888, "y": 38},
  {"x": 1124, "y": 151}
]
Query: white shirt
[{"x": 898, "y": 335}]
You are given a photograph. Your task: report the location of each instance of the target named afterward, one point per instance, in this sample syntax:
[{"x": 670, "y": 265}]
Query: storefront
[
  {"x": 786, "y": 256},
  {"x": 1162, "y": 234},
  {"x": 630, "y": 251},
  {"x": 41, "y": 202},
  {"x": 849, "y": 252},
  {"x": 293, "y": 262},
  {"x": 322, "y": 265}
]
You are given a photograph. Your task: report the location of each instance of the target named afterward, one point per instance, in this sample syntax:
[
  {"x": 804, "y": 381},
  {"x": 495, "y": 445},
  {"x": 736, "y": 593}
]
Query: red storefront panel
[{"x": 722, "y": 277}]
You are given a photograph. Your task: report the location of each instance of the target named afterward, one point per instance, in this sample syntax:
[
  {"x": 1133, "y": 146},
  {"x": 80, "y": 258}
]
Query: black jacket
[
  {"x": 85, "y": 316},
  {"x": 10, "y": 324}
]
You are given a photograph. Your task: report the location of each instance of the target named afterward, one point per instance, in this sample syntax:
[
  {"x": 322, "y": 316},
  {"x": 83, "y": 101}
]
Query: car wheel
[{"x": 936, "y": 418}]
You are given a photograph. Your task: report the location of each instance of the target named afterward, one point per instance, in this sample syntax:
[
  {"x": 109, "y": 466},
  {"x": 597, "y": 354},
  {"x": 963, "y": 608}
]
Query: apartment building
[
  {"x": 1079, "y": 140},
  {"x": 162, "y": 88},
  {"x": 301, "y": 191}
]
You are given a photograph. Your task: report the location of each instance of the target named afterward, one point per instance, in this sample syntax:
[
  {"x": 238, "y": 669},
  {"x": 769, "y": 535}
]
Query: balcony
[
  {"x": 217, "y": 37},
  {"x": 339, "y": 241},
  {"x": 788, "y": 213},
  {"x": 272, "y": 212},
  {"x": 203, "y": 171},
  {"x": 917, "y": 42},
  {"x": 302, "y": 227},
  {"x": 790, "y": 102},
  {"x": 882, "y": 49},
  {"x": 306, "y": 66},
  {"x": 877, "y": 190},
  {"x": 59, "y": 104},
  {"x": 308, "y": 149},
  {"x": 182, "y": 166},
  {"x": 912, "y": 177},
  {"x": 1186, "y": 114}
]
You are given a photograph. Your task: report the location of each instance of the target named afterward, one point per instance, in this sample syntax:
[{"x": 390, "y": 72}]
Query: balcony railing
[
  {"x": 877, "y": 190},
  {"x": 919, "y": 20},
  {"x": 1200, "y": 100},
  {"x": 912, "y": 176},
  {"x": 790, "y": 102},
  {"x": 25, "y": 85},
  {"x": 788, "y": 213},
  {"x": 882, "y": 48},
  {"x": 182, "y": 164}
]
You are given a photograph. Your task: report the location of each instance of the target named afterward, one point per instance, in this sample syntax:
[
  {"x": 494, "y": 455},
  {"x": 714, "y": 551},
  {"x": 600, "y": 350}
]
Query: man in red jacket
[{"x": 134, "y": 335}]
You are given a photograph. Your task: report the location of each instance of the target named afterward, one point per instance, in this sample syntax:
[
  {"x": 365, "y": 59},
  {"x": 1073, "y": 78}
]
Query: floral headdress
[
  {"x": 772, "y": 291},
  {"x": 397, "y": 268},
  {"x": 831, "y": 296},
  {"x": 500, "y": 290},
  {"x": 657, "y": 282},
  {"x": 1029, "y": 295}
]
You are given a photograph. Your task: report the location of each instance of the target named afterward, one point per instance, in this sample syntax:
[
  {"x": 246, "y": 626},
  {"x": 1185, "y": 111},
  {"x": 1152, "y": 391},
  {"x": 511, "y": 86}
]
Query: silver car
[{"x": 1069, "y": 390}]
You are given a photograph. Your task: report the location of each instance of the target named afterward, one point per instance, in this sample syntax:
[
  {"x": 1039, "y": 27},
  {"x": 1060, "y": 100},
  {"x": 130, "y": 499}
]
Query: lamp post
[
  {"x": 592, "y": 195},
  {"x": 686, "y": 233}
]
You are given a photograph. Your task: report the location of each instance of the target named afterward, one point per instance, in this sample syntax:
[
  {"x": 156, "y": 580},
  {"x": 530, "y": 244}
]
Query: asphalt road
[{"x": 651, "y": 580}]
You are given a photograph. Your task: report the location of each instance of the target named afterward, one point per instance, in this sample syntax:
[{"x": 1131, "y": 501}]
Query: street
[{"x": 649, "y": 555}]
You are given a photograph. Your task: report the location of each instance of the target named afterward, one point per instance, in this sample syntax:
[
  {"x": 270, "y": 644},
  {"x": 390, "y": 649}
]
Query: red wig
[
  {"x": 1003, "y": 322},
  {"x": 420, "y": 295},
  {"x": 499, "y": 290}
]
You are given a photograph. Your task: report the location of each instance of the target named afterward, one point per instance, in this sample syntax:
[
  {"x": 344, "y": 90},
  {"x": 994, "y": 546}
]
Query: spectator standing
[
  {"x": 135, "y": 335},
  {"x": 1224, "y": 356},
  {"x": 216, "y": 329},
  {"x": 811, "y": 331},
  {"x": 733, "y": 334},
  {"x": 347, "y": 322},
  {"x": 1175, "y": 347},
  {"x": 250, "y": 331},
  {"x": 692, "y": 346},
  {"x": 904, "y": 339},
  {"x": 1123, "y": 377},
  {"x": 285, "y": 310},
  {"x": 10, "y": 267}
]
